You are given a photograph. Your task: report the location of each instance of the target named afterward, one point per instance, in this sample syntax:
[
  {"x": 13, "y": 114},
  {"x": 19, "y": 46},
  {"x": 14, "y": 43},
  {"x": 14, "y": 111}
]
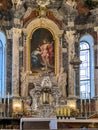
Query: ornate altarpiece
[
  {"x": 41, "y": 90},
  {"x": 44, "y": 77},
  {"x": 33, "y": 77}
]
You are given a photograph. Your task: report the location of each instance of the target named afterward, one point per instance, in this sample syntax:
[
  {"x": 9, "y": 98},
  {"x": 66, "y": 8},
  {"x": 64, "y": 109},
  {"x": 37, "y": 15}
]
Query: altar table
[
  {"x": 38, "y": 123},
  {"x": 55, "y": 124}
]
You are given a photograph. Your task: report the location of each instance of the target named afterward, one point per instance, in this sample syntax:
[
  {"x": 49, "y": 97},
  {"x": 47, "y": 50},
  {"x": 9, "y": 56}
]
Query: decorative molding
[
  {"x": 53, "y": 28},
  {"x": 30, "y": 14},
  {"x": 55, "y": 16}
]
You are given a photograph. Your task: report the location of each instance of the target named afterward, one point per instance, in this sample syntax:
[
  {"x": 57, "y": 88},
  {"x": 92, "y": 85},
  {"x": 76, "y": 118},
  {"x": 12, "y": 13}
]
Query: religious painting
[{"x": 42, "y": 51}]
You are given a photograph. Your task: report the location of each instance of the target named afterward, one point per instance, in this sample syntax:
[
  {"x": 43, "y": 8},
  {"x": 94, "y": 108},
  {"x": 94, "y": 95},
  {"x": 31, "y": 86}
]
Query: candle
[
  {"x": 81, "y": 102},
  {"x": 4, "y": 100},
  {"x": 81, "y": 105},
  {"x": 65, "y": 111},
  {"x": 57, "y": 111},
  {"x": 68, "y": 112},
  {"x": 89, "y": 106},
  {"x": 61, "y": 111},
  {"x": 4, "y": 105},
  {"x": 89, "y": 100},
  {"x": 8, "y": 99},
  {"x": 85, "y": 103}
]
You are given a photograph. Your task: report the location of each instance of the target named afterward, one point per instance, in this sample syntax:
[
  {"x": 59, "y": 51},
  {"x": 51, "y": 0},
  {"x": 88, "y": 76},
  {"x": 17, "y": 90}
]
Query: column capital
[
  {"x": 9, "y": 34},
  {"x": 69, "y": 36},
  {"x": 16, "y": 31},
  {"x": 96, "y": 29}
]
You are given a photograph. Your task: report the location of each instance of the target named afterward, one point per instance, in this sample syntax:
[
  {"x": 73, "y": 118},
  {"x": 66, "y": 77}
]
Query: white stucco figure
[
  {"x": 24, "y": 87},
  {"x": 61, "y": 79},
  {"x": 46, "y": 82},
  {"x": 34, "y": 104}
]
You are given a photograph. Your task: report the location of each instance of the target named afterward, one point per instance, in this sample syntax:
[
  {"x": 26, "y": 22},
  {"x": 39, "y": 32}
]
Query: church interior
[{"x": 48, "y": 64}]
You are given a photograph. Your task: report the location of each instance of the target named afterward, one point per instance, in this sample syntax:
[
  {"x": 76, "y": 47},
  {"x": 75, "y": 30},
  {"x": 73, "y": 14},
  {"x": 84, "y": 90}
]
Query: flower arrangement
[{"x": 74, "y": 112}]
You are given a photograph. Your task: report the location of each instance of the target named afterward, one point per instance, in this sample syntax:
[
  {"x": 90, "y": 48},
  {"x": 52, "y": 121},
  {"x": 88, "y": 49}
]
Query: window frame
[{"x": 91, "y": 64}]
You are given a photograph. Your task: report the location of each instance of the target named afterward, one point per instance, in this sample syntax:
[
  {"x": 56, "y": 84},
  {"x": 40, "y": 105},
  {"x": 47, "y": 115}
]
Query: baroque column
[
  {"x": 69, "y": 36},
  {"x": 96, "y": 62},
  {"x": 96, "y": 69},
  {"x": 76, "y": 65},
  {"x": 15, "y": 62}
]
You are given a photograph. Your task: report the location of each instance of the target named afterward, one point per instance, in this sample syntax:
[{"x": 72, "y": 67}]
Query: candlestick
[
  {"x": 89, "y": 106},
  {"x": 81, "y": 106},
  {"x": 8, "y": 104},
  {"x": 8, "y": 98},
  {"x": 89, "y": 100},
  {"x": 57, "y": 111},
  {"x": 0, "y": 105},
  {"x": 4, "y": 100},
  {"x": 85, "y": 108},
  {"x": 4, "y": 105}
]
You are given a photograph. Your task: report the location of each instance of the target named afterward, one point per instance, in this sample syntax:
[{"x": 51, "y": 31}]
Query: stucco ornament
[
  {"x": 71, "y": 3},
  {"x": 46, "y": 82},
  {"x": 43, "y": 3}
]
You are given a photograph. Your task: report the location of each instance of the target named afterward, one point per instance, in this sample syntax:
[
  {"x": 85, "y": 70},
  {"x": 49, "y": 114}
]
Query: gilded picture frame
[
  {"x": 42, "y": 51},
  {"x": 55, "y": 33}
]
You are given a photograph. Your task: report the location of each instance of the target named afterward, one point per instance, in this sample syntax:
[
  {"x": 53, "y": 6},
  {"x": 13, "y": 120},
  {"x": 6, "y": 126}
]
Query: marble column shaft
[
  {"x": 71, "y": 50},
  {"x": 15, "y": 62},
  {"x": 96, "y": 63}
]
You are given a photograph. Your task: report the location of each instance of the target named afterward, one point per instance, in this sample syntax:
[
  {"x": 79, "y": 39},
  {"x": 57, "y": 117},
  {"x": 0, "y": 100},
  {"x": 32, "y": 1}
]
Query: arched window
[
  {"x": 86, "y": 67},
  {"x": 2, "y": 64}
]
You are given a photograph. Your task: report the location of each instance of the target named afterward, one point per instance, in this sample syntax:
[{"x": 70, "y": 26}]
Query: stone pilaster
[
  {"x": 96, "y": 70},
  {"x": 96, "y": 63},
  {"x": 25, "y": 57},
  {"x": 77, "y": 75},
  {"x": 69, "y": 36},
  {"x": 15, "y": 62},
  {"x": 8, "y": 61}
]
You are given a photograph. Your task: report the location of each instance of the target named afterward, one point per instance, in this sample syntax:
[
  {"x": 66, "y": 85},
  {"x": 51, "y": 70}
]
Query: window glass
[
  {"x": 86, "y": 67},
  {"x": 2, "y": 64}
]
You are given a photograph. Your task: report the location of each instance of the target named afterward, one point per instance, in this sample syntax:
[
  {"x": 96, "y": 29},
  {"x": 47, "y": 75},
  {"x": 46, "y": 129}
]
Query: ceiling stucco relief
[{"x": 43, "y": 3}]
